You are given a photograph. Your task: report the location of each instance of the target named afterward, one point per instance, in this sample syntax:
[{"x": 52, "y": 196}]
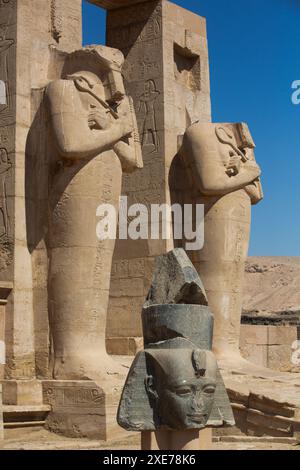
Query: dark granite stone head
[{"x": 181, "y": 386}]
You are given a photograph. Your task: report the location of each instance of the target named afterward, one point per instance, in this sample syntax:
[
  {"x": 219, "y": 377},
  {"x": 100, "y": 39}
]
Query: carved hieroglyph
[
  {"x": 225, "y": 178},
  {"x": 94, "y": 126},
  {"x": 7, "y": 112}
]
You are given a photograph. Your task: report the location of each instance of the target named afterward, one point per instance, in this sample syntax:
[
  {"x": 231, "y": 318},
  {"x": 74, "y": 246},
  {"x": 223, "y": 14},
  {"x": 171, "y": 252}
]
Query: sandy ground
[{"x": 40, "y": 439}]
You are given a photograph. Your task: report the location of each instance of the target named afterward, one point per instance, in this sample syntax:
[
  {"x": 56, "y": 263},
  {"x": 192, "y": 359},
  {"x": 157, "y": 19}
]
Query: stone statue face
[{"x": 182, "y": 390}]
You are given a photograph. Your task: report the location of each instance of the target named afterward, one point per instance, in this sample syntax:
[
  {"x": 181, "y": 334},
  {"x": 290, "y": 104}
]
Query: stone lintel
[{"x": 114, "y": 4}]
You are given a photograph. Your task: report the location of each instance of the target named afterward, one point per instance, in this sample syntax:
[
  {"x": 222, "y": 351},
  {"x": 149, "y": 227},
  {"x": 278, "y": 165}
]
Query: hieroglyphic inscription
[
  {"x": 135, "y": 33},
  {"x": 5, "y": 166},
  {"x": 5, "y": 45},
  {"x": 139, "y": 35},
  {"x": 73, "y": 397},
  {"x": 7, "y": 133},
  {"x": 4, "y": 3}
]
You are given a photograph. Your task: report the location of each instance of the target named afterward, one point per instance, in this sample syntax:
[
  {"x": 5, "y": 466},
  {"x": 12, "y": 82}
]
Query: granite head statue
[{"x": 181, "y": 386}]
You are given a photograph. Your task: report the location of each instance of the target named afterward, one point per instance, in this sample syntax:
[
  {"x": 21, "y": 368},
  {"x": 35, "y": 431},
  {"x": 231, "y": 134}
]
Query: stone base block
[
  {"x": 268, "y": 346},
  {"x": 125, "y": 346},
  {"x": 83, "y": 409},
  {"x": 22, "y": 392},
  {"x": 265, "y": 406}
]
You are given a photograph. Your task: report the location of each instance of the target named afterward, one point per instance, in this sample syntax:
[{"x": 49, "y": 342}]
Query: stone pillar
[
  {"x": 167, "y": 74},
  {"x": 1, "y": 418},
  {"x": 28, "y": 30},
  {"x": 5, "y": 290}
]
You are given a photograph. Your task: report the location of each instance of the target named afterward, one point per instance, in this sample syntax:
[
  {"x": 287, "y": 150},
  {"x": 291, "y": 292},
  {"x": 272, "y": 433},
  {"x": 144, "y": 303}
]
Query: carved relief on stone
[
  {"x": 5, "y": 44},
  {"x": 147, "y": 112},
  {"x": 6, "y": 242},
  {"x": 56, "y": 21},
  {"x": 175, "y": 382}
]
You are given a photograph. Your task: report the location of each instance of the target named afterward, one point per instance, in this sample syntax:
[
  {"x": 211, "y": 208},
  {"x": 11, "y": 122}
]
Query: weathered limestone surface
[
  {"x": 26, "y": 62},
  {"x": 90, "y": 156},
  {"x": 82, "y": 409},
  {"x": 225, "y": 178},
  {"x": 93, "y": 126},
  {"x": 166, "y": 72},
  {"x": 269, "y": 346}
]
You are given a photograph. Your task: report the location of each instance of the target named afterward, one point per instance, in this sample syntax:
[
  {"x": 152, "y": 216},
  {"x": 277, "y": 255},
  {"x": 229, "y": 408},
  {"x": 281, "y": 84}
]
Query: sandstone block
[{"x": 82, "y": 409}]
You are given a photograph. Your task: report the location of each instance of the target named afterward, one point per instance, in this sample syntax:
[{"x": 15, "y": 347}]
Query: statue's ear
[{"x": 150, "y": 388}]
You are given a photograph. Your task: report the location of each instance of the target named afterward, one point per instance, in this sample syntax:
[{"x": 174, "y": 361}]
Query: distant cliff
[{"x": 272, "y": 287}]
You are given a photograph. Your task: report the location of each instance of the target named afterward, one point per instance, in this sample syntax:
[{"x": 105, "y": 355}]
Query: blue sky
[{"x": 254, "y": 58}]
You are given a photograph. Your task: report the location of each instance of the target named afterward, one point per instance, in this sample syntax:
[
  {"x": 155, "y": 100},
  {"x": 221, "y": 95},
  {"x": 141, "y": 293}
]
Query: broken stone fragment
[
  {"x": 164, "y": 322},
  {"x": 175, "y": 281}
]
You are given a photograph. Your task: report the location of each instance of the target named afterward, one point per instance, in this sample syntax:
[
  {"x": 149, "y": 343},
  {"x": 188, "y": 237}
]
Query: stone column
[
  {"x": 5, "y": 290},
  {"x": 28, "y": 30},
  {"x": 166, "y": 72},
  {"x": 1, "y": 418}
]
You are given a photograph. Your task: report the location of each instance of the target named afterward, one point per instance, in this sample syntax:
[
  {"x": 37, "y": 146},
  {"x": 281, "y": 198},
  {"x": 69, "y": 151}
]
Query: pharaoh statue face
[{"x": 181, "y": 386}]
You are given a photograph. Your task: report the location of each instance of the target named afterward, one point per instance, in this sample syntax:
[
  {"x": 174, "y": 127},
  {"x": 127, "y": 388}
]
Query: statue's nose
[{"x": 198, "y": 402}]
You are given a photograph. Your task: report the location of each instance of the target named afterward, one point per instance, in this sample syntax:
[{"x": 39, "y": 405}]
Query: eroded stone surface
[
  {"x": 82, "y": 409},
  {"x": 227, "y": 188},
  {"x": 175, "y": 281},
  {"x": 92, "y": 151}
]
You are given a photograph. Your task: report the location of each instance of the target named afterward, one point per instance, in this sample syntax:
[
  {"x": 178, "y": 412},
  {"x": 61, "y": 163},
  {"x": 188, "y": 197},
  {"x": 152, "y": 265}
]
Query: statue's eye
[
  {"x": 183, "y": 391},
  {"x": 209, "y": 389}
]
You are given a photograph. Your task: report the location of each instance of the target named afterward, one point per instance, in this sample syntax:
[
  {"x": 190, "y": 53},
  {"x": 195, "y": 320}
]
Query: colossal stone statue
[
  {"x": 221, "y": 163},
  {"x": 95, "y": 131}
]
